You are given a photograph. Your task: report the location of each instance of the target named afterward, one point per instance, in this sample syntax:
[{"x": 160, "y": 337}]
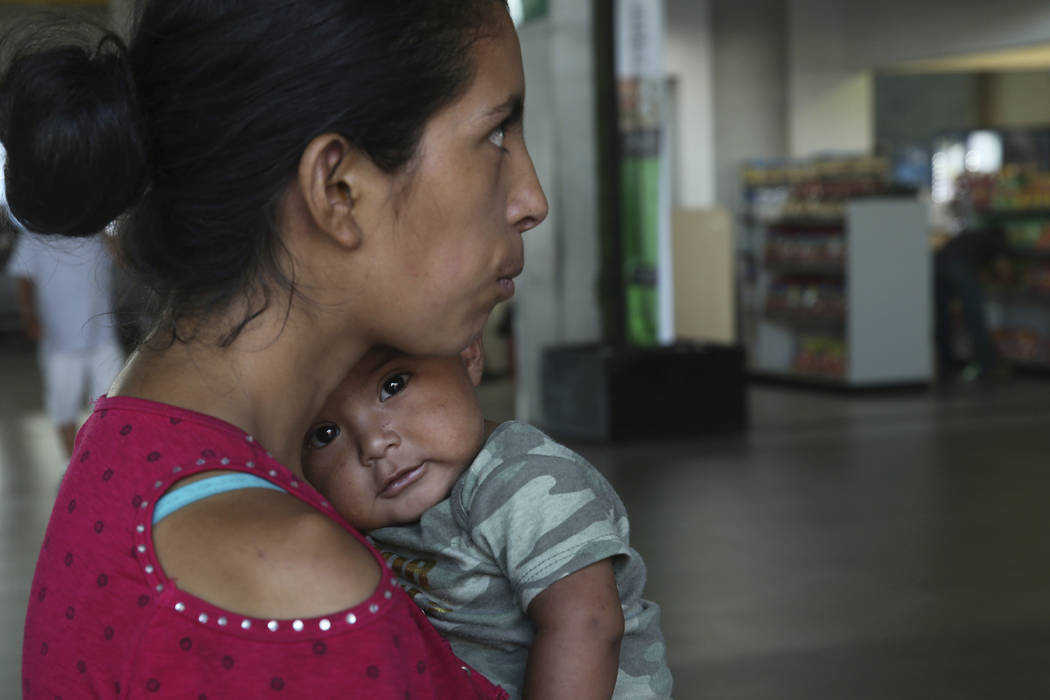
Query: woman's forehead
[{"x": 498, "y": 82}]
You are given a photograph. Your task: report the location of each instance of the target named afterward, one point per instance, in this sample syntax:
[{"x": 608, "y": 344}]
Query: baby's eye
[
  {"x": 496, "y": 136},
  {"x": 393, "y": 385},
  {"x": 322, "y": 436}
]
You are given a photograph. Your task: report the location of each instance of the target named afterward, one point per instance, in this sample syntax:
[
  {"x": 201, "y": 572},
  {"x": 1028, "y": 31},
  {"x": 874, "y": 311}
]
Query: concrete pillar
[
  {"x": 556, "y": 300},
  {"x": 689, "y": 60}
]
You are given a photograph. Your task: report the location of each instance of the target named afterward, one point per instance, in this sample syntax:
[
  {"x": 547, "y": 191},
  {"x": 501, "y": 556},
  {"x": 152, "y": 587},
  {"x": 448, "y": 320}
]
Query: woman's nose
[{"x": 527, "y": 205}]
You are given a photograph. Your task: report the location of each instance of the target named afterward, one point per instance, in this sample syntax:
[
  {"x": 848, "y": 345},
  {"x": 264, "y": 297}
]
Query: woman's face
[{"x": 448, "y": 245}]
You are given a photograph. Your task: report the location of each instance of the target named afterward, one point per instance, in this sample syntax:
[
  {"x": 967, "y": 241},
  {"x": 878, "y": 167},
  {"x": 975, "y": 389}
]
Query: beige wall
[
  {"x": 1019, "y": 99},
  {"x": 704, "y": 289}
]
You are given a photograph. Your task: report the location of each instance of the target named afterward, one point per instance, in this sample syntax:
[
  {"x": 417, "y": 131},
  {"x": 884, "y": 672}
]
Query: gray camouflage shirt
[{"x": 526, "y": 513}]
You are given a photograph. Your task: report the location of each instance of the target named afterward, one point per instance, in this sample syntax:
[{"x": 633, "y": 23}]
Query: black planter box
[{"x": 601, "y": 392}]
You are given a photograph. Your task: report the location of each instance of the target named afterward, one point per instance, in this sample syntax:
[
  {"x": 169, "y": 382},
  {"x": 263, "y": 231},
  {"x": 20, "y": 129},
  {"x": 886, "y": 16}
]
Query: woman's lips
[
  {"x": 506, "y": 282},
  {"x": 402, "y": 480}
]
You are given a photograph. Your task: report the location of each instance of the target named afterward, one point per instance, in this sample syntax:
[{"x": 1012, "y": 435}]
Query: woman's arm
[{"x": 579, "y": 626}]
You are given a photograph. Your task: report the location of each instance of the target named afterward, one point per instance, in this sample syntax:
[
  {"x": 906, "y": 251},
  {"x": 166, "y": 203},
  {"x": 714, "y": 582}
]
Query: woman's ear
[
  {"x": 473, "y": 357},
  {"x": 332, "y": 178}
]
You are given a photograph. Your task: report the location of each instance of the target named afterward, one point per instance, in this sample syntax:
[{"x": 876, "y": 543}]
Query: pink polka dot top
[{"x": 105, "y": 622}]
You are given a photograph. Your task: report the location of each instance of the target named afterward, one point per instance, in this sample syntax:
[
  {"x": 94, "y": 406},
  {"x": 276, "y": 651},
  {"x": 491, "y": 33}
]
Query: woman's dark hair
[{"x": 198, "y": 124}]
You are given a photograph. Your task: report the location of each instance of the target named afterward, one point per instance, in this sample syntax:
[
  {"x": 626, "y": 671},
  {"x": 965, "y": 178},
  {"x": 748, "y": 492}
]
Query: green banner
[
  {"x": 640, "y": 217},
  {"x": 533, "y": 9},
  {"x": 639, "y": 87}
]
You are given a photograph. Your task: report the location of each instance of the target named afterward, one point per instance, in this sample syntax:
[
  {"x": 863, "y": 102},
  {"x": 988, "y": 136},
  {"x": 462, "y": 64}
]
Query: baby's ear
[{"x": 474, "y": 360}]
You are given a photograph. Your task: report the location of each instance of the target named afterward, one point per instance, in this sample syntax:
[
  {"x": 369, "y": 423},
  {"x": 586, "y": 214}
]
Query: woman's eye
[
  {"x": 496, "y": 136},
  {"x": 322, "y": 436},
  {"x": 393, "y": 385}
]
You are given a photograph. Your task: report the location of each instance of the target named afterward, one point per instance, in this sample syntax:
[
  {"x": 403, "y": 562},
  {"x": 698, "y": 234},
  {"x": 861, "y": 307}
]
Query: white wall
[
  {"x": 750, "y": 89},
  {"x": 830, "y": 103}
]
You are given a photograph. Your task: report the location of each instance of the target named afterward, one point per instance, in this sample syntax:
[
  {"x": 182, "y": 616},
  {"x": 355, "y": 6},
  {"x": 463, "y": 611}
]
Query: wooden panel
[{"x": 703, "y": 275}]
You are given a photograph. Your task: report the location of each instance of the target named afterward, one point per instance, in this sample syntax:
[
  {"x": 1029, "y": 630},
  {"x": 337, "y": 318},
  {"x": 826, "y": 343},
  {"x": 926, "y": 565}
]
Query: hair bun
[{"x": 76, "y": 155}]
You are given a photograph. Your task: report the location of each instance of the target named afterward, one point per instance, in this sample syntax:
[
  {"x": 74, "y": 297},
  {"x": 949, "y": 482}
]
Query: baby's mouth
[{"x": 402, "y": 480}]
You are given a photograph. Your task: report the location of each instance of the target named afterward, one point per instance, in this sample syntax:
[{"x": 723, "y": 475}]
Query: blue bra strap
[{"x": 191, "y": 493}]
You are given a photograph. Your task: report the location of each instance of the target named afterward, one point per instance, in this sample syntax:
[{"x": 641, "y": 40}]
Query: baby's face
[{"x": 393, "y": 438}]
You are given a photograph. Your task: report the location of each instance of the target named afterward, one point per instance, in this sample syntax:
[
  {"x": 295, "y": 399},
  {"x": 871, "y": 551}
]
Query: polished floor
[{"x": 856, "y": 547}]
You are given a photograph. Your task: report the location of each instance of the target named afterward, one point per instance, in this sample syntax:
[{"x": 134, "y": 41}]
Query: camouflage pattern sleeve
[{"x": 539, "y": 510}]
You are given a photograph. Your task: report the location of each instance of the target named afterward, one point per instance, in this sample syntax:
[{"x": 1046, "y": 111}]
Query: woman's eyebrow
[{"x": 513, "y": 107}]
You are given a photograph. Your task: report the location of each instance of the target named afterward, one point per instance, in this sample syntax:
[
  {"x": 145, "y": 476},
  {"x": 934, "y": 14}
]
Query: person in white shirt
[{"x": 64, "y": 290}]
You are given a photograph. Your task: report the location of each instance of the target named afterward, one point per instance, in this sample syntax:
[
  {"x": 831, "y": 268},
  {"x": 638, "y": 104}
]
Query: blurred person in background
[
  {"x": 64, "y": 291},
  {"x": 957, "y": 278}
]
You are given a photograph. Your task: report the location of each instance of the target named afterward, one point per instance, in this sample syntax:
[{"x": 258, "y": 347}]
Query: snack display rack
[
  {"x": 835, "y": 273},
  {"x": 1017, "y": 198}
]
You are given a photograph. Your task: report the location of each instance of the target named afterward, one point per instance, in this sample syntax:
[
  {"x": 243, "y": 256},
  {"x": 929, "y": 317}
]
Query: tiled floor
[{"x": 875, "y": 547}]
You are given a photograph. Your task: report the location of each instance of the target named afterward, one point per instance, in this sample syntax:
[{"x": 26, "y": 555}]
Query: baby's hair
[{"x": 192, "y": 131}]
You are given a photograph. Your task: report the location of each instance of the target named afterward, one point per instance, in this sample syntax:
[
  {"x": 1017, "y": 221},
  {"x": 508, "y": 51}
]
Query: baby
[{"x": 514, "y": 545}]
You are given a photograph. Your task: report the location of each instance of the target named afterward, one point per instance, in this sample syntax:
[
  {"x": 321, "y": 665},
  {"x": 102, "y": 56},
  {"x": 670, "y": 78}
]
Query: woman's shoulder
[
  {"x": 271, "y": 553},
  {"x": 268, "y": 554},
  {"x": 322, "y": 610}
]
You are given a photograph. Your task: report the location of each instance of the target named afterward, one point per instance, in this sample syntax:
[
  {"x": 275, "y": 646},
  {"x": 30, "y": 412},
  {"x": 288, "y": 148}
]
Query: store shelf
[
  {"x": 859, "y": 318},
  {"x": 820, "y": 223},
  {"x": 832, "y": 268},
  {"x": 1016, "y": 199},
  {"x": 1017, "y": 212},
  {"x": 1032, "y": 253},
  {"x": 1028, "y": 365},
  {"x": 804, "y": 321},
  {"x": 1023, "y": 346},
  {"x": 1019, "y": 298},
  {"x": 805, "y": 251},
  {"x": 1020, "y": 310}
]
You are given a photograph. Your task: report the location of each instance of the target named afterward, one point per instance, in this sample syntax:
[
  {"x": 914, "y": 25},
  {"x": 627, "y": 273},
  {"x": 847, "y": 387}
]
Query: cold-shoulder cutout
[{"x": 265, "y": 554}]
